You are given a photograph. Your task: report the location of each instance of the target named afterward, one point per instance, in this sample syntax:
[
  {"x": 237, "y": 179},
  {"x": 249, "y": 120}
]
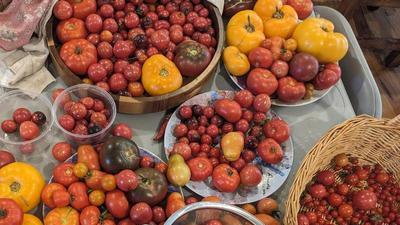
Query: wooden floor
[{"x": 383, "y": 22}]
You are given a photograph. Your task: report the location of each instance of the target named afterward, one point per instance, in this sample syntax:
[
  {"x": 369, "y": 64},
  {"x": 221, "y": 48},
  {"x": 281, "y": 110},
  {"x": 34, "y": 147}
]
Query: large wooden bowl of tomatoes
[{"x": 149, "y": 54}]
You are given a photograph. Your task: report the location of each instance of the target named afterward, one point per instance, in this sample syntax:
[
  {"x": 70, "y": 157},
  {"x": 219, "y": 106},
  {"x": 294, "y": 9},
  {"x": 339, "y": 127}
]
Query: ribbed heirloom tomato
[
  {"x": 10, "y": 212},
  {"x": 200, "y": 168},
  {"x": 225, "y": 178},
  {"x": 78, "y": 55}
]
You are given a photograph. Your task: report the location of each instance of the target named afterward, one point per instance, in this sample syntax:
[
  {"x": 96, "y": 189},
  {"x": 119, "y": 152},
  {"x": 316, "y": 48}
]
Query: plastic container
[
  {"x": 12, "y": 100},
  {"x": 200, "y": 213},
  {"x": 357, "y": 77},
  {"x": 77, "y": 92}
]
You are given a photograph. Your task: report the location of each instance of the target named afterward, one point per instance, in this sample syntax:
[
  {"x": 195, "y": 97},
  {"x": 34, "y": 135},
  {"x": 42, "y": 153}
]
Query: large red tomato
[
  {"x": 10, "y": 212},
  {"x": 72, "y": 28},
  {"x": 277, "y": 129},
  {"x": 270, "y": 151},
  {"x": 117, "y": 204},
  {"x": 200, "y": 168},
  {"x": 82, "y": 8},
  {"x": 250, "y": 175},
  {"x": 290, "y": 90},
  {"x": 79, "y": 196},
  {"x": 261, "y": 81},
  {"x": 228, "y": 109},
  {"x": 62, "y": 10},
  {"x": 225, "y": 178},
  {"x": 78, "y": 55},
  {"x": 328, "y": 77}
]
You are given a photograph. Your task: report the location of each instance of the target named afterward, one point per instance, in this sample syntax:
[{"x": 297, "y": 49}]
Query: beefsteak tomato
[
  {"x": 78, "y": 55},
  {"x": 192, "y": 58},
  {"x": 225, "y": 178},
  {"x": 71, "y": 28}
]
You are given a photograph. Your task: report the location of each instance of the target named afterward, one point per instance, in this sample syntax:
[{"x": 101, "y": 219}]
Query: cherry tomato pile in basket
[
  {"x": 223, "y": 139},
  {"x": 109, "y": 41},
  {"x": 351, "y": 193},
  {"x": 25, "y": 122}
]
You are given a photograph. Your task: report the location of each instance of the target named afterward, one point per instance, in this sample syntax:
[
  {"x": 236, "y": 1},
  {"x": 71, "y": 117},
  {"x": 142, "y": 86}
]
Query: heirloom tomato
[
  {"x": 282, "y": 22},
  {"x": 328, "y": 77},
  {"x": 225, "y": 178},
  {"x": 261, "y": 81},
  {"x": 228, "y": 109},
  {"x": 62, "y": 216},
  {"x": 200, "y": 168},
  {"x": 82, "y": 8},
  {"x": 270, "y": 151},
  {"x": 90, "y": 216},
  {"x": 79, "y": 197},
  {"x": 10, "y": 212},
  {"x": 117, "y": 204},
  {"x": 192, "y": 58},
  {"x": 48, "y": 191},
  {"x": 78, "y": 55},
  {"x": 31, "y": 220},
  {"x": 64, "y": 174},
  {"x": 290, "y": 90},
  {"x": 235, "y": 62},
  {"x": 72, "y": 28},
  {"x": 277, "y": 129}
]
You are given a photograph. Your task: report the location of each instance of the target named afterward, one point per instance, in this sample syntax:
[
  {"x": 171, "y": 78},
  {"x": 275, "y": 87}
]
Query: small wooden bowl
[{"x": 146, "y": 104}]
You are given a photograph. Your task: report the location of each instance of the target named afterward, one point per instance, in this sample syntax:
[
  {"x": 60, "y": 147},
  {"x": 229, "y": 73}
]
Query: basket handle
[{"x": 395, "y": 121}]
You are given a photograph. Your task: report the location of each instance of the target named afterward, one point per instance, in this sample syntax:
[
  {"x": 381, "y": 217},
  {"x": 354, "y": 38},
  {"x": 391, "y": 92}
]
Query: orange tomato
[
  {"x": 267, "y": 205},
  {"x": 47, "y": 193},
  {"x": 174, "y": 203},
  {"x": 249, "y": 208},
  {"x": 267, "y": 219},
  {"x": 62, "y": 216}
]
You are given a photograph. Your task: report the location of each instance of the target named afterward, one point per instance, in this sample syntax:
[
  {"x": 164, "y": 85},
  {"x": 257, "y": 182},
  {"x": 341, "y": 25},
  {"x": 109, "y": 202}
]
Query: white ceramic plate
[{"x": 273, "y": 175}]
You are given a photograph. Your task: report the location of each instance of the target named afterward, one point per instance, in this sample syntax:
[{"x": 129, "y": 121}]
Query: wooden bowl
[{"x": 145, "y": 104}]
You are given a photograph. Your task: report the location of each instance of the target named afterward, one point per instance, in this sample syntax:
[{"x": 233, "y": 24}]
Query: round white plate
[{"x": 273, "y": 175}]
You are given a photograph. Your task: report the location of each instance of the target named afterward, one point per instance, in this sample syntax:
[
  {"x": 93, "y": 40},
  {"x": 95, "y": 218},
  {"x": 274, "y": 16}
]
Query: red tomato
[
  {"x": 133, "y": 72},
  {"x": 79, "y": 196},
  {"x": 214, "y": 222},
  {"x": 62, "y": 10},
  {"x": 242, "y": 125},
  {"x": 250, "y": 175},
  {"x": 28, "y": 130},
  {"x": 158, "y": 214},
  {"x": 183, "y": 149},
  {"x": 177, "y": 18},
  {"x": 260, "y": 58},
  {"x": 90, "y": 216},
  {"x": 290, "y": 90},
  {"x": 146, "y": 162},
  {"x": 160, "y": 39},
  {"x": 123, "y": 49},
  {"x": 303, "y": 8},
  {"x": 94, "y": 23},
  {"x": 9, "y": 126},
  {"x": 78, "y": 111},
  {"x": 61, "y": 151},
  {"x": 277, "y": 129},
  {"x": 48, "y": 191},
  {"x": 64, "y": 174},
  {"x": 280, "y": 68},
  {"x": 345, "y": 210},
  {"x": 126, "y": 221},
  {"x": 225, "y": 178},
  {"x": 21, "y": 115},
  {"x": 78, "y": 55},
  {"x": 262, "y": 103},
  {"x": 244, "y": 97},
  {"x": 141, "y": 213},
  {"x": 61, "y": 198},
  {"x": 200, "y": 168},
  {"x": 83, "y": 8},
  {"x": 326, "y": 177},
  {"x": 364, "y": 200},
  {"x": 126, "y": 180},
  {"x": 117, "y": 82},
  {"x": 122, "y": 130},
  {"x": 343, "y": 189},
  {"x": 180, "y": 130},
  {"x": 117, "y": 204},
  {"x": 228, "y": 109},
  {"x": 335, "y": 199},
  {"x": 270, "y": 151},
  {"x": 311, "y": 216},
  {"x": 131, "y": 20},
  {"x": 11, "y": 213},
  {"x": 318, "y": 191},
  {"x": 71, "y": 29},
  {"x": 302, "y": 220},
  {"x": 328, "y": 77},
  {"x": 105, "y": 50},
  {"x": 161, "y": 167},
  {"x": 382, "y": 177},
  {"x": 261, "y": 81}
]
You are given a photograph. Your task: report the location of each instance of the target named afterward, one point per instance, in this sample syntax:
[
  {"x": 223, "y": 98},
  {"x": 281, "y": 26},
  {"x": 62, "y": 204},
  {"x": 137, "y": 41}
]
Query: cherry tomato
[
  {"x": 280, "y": 68},
  {"x": 122, "y": 130},
  {"x": 247, "y": 115},
  {"x": 141, "y": 213},
  {"x": 96, "y": 72},
  {"x": 78, "y": 111},
  {"x": 364, "y": 200},
  {"x": 126, "y": 180},
  {"x": 97, "y": 197},
  {"x": 277, "y": 129},
  {"x": 161, "y": 167},
  {"x": 341, "y": 160},
  {"x": 28, "y": 130},
  {"x": 345, "y": 210},
  {"x": 110, "y": 24},
  {"x": 250, "y": 175},
  {"x": 108, "y": 182},
  {"x": 104, "y": 49},
  {"x": 81, "y": 170},
  {"x": 62, "y": 10},
  {"x": 312, "y": 217},
  {"x": 9, "y": 126},
  {"x": 238, "y": 164},
  {"x": 180, "y": 130},
  {"x": 183, "y": 149},
  {"x": 335, "y": 199},
  {"x": 302, "y": 220},
  {"x": 158, "y": 214},
  {"x": 351, "y": 179},
  {"x": 21, "y": 115},
  {"x": 242, "y": 125},
  {"x": 117, "y": 204},
  {"x": 132, "y": 72},
  {"x": 262, "y": 103},
  {"x": 326, "y": 177},
  {"x": 259, "y": 117},
  {"x": 131, "y": 20},
  {"x": 248, "y": 156},
  {"x": 105, "y": 36},
  {"x": 382, "y": 177},
  {"x": 146, "y": 162},
  {"x": 200, "y": 168},
  {"x": 362, "y": 174},
  {"x": 318, "y": 191},
  {"x": 123, "y": 49},
  {"x": 225, "y": 178},
  {"x": 343, "y": 189},
  {"x": 107, "y": 65},
  {"x": 64, "y": 174},
  {"x": 117, "y": 82},
  {"x": 136, "y": 89},
  {"x": 94, "y": 23},
  {"x": 61, "y": 198},
  {"x": 267, "y": 205}
]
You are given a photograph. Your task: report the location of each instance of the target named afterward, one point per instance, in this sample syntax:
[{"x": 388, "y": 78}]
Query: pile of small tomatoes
[
  {"x": 222, "y": 140},
  {"x": 351, "y": 193}
]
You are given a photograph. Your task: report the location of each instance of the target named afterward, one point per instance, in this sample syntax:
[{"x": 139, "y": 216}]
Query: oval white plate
[{"x": 273, "y": 175}]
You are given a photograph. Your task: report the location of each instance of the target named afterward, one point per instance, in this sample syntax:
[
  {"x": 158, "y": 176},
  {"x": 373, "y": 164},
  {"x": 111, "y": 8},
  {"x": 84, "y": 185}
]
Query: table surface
[{"x": 308, "y": 123}]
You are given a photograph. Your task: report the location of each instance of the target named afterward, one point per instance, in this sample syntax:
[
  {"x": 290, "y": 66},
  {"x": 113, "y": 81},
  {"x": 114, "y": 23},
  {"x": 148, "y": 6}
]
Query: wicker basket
[{"x": 371, "y": 140}]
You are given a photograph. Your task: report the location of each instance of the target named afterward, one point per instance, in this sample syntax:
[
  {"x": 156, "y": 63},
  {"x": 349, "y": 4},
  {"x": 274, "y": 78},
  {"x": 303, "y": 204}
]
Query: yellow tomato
[
  {"x": 245, "y": 31},
  {"x": 31, "y": 220},
  {"x": 266, "y": 8},
  {"x": 282, "y": 23},
  {"x": 62, "y": 216},
  {"x": 23, "y": 183},
  {"x": 160, "y": 75},
  {"x": 232, "y": 145},
  {"x": 316, "y": 36},
  {"x": 236, "y": 62}
]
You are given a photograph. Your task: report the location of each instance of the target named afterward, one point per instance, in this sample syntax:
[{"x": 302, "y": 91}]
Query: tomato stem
[
  {"x": 164, "y": 72},
  {"x": 15, "y": 186},
  {"x": 249, "y": 27},
  {"x": 3, "y": 213},
  {"x": 78, "y": 50},
  {"x": 324, "y": 28},
  {"x": 278, "y": 14}
]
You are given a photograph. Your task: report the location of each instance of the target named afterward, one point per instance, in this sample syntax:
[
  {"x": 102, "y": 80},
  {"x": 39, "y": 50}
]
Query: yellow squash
[
  {"x": 236, "y": 62},
  {"x": 282, "y": 23},
  {"x": 31, "y": 220},
  {"x": 160, "y": 75},
  {"x": 266, "y": 8},
  {"x": 316, "y": 36},
  {"x": 23, "y": 183},
  {"x": 245, "y": 31}
]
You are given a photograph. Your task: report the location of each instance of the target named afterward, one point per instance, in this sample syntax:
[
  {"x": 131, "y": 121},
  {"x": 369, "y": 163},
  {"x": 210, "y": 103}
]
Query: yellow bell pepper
[
  {"x": 31, "y": 220},
  {"x": 266, "y": 8},
  {"x": 23, "y": 183},
  {"x": 316, "y": 37},
  {"x": 245, "y": 31},
  {"x": 235, "y": 62},
  {"x": 160, "y": 75},
  {"x": 282, "y": 23}
]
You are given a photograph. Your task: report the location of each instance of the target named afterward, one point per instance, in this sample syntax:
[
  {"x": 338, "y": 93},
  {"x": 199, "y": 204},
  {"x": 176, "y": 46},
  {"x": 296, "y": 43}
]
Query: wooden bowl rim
[{"x": 182, "y": 90}]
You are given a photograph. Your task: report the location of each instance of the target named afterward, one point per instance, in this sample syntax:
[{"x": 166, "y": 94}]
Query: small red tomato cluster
[
  {"x": 279, "y": 70},
  {"x": 117, "y": 37},
  {"x": 202, "y": 127},
  {"x": 351, "y": 193},
  {"x": 85, "y": 116},
  {"x": 26, "y": 122}
]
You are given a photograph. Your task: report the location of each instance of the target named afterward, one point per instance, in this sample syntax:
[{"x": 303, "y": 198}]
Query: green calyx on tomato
[
  {"x": 164, "y": 72},
  {"x": 15, "y": 186}
]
